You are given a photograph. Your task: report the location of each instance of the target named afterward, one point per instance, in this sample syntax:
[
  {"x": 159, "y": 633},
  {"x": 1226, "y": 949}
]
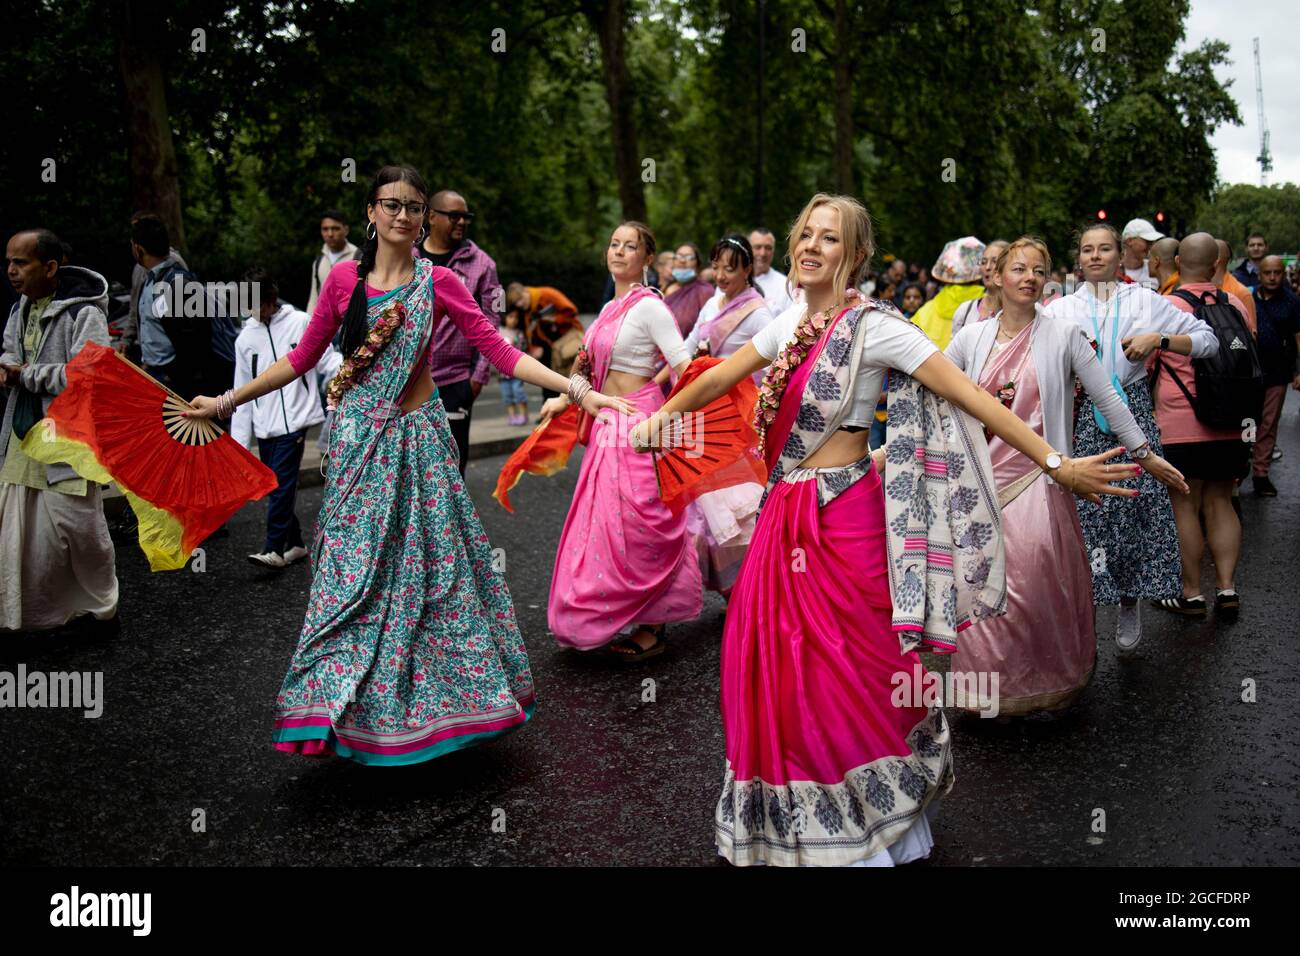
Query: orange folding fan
[
  {"x": 183, "y": 476},
  {"x": 715, "y": 447}
]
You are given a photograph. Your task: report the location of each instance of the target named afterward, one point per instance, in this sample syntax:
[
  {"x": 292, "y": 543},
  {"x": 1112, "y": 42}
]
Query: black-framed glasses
[
  {"x": 393, "y": 207},
  {"x": 455, "y": 215}
]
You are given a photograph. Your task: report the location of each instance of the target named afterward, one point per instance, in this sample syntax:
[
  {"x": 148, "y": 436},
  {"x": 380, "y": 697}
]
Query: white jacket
[{"x": 293, "y": 408}]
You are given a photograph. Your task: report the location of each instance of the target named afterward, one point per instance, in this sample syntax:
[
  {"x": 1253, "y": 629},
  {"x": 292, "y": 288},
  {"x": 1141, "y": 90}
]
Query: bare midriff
[
  {"x": 622, "y": 383},
  {"x": 842, "y": 448},
  {"x": 420, "y": 392}
]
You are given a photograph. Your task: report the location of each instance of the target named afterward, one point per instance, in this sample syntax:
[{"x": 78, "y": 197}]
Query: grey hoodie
[{"x": 76, "y": 315}]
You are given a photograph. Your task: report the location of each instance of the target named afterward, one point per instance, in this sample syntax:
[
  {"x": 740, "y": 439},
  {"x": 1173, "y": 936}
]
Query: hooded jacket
[
  {"x": 77, "y": 314},
  {"x": 290, "y": 409}
]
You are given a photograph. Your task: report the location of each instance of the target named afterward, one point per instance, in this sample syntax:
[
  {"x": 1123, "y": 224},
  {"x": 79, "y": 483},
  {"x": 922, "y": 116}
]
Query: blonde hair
[
  {"x": 855, "y": 233},
  {"x": 1024, "y": 242}
]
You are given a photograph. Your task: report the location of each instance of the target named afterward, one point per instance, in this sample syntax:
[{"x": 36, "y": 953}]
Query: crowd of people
[{"x": 964, "y": 459}]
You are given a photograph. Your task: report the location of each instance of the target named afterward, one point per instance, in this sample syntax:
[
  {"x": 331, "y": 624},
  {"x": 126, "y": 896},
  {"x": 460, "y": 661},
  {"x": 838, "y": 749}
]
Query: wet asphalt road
[{"x": 1185, "y": 771}]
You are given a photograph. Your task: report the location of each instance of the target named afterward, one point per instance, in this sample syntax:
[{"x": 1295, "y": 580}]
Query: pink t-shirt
[
  {"x": 1178, "y": 422},
  {"x": 451, "y": 298}
]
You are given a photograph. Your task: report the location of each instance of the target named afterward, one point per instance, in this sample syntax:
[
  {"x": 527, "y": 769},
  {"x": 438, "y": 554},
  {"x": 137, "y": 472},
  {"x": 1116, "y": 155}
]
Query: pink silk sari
[
  {"x": 1044, "y": 648},
  {"x": 623, "y": 557},
  {"x": 823, "y": 766}
]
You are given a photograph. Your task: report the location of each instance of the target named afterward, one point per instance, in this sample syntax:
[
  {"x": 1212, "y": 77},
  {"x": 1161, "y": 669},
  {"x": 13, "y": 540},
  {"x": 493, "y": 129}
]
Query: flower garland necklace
[
  {"x": 376, "y": 339},
  {"x": 770, "y": 393}
]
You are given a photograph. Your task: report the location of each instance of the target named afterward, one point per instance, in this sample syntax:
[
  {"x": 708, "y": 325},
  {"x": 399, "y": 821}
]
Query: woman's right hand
[
  {"x": 554, "y": 406},
  {"x": 204, "y": 407},
  {"x": 1091, "y": 477}
]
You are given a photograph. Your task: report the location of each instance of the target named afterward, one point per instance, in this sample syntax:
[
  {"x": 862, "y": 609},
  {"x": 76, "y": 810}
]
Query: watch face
[{"x": 1054, "y": 461}]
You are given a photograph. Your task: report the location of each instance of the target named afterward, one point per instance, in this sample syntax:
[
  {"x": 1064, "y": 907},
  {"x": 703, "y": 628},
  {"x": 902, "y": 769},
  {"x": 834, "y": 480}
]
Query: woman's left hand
[
  {"x": 1163, "y": 472},
  {"x": 1137, "y": 347},
  {"x": 554, "y": 406},
  {"x": 878, "y": 459}
]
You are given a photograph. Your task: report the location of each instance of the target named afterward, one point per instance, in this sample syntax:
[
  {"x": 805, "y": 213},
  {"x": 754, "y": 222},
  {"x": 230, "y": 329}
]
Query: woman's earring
[
  {"x": 424, "y": 231},
  {"x": 371, "y": 232}
]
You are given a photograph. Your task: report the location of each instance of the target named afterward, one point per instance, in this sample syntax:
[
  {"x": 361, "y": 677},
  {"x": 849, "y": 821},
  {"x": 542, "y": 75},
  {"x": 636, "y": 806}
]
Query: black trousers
[
  {"x": 458, "y": 400},
  {"x": 283, "y": 455}
]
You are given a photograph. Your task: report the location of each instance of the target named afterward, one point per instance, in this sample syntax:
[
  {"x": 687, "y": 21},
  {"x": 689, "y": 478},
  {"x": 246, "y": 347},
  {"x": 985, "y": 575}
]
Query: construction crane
[{"x": 1265, "y": 159}]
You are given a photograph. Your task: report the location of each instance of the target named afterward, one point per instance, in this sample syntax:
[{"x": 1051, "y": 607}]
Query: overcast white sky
[{"x": 1238, "y": 23}]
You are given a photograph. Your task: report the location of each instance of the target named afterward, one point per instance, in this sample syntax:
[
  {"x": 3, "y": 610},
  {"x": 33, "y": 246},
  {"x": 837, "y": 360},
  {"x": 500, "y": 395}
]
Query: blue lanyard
[{"x": 1107, "y": 355}]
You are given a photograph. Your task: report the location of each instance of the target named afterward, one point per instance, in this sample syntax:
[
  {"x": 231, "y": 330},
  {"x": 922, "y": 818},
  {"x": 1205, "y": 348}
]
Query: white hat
[{"x": 1141, "y": 229}]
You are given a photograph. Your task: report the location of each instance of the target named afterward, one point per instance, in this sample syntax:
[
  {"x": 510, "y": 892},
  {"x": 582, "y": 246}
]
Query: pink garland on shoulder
[
  {"x": 376, "y": 339},
  {"x": 770, "y": 393}
]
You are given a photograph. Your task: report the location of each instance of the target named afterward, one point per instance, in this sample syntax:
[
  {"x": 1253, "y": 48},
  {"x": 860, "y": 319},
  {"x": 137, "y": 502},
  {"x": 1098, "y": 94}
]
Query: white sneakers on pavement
[
  {"x": 1128, "y": 628},
  {"x": 274, "y": 559}
]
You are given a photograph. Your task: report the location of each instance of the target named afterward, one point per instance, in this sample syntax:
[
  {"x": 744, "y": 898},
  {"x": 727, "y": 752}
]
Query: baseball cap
[{"x": 1141, "y": 229}]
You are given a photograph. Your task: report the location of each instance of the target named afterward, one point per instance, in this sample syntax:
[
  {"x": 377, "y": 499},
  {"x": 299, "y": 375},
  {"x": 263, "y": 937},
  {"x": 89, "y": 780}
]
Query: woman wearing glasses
[
  {"x": 625, "y": 562},
  {"x": 410, "y": 647},
  {"x": 977, "y": 310}
]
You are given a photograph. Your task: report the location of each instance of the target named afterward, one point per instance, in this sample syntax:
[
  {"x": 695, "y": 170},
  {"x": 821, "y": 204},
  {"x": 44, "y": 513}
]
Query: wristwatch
[
  {"x": 1142, "y": 451},
  {"x": 1053, "y": 461},
  {"x": 1164, "y": 343}
]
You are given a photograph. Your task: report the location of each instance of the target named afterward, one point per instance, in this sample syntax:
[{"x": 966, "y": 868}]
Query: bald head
[
  {"x": 1160, "y": 258},
  {"x": 1196, "y": 257},
  {"x": 1271, "y": 274}
]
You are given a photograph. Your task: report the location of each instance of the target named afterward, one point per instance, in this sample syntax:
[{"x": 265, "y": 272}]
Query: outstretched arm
[
  {"x": 1086, "y": 477},
  {"x": 710, "y": 386}
]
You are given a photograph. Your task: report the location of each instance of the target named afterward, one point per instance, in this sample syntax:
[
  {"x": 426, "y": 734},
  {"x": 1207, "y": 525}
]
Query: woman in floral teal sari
[{"x": 410, "y": 648}]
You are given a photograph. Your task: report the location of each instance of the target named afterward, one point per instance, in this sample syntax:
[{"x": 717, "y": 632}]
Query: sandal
[
  {"x": 630, "y": 652},
  {"x": 1191, "y": 607}
]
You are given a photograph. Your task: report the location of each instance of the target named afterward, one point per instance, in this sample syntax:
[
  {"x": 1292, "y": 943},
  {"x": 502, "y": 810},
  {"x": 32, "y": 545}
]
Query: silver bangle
[{"x": 578, "y": 388}]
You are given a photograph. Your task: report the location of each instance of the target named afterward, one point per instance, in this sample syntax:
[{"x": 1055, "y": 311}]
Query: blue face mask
[{"x": 683, "y": 275}]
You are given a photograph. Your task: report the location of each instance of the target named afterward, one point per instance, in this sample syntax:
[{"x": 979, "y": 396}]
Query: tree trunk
[
  {"x": 609, "y": 19},
  {"x": 760, "y": 96},
  {"x": 155, "y": 181},
  {"x": 843, "y": 101}
]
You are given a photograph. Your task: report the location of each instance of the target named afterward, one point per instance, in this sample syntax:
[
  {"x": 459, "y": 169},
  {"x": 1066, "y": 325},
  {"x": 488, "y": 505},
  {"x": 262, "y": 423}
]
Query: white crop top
[
  {"x": 889, "y": 342},
  {"x": 648, "y": 330}
]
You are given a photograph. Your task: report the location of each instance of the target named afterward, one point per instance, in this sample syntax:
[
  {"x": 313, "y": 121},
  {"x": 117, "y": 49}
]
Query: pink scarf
[
  {"x": 600, "y": 338},
  {"x": 715, "y": 331}
]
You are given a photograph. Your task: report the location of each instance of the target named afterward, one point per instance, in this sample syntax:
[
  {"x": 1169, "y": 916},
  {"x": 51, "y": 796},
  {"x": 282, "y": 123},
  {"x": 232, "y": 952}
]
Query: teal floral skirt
[{"x": 410, "y": 648}]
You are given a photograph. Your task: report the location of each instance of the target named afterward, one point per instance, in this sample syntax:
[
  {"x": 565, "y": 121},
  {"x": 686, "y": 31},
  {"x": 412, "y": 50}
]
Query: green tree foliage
[
  {"x": 966, "y": 117},
  {"x": 1240, "y": 209}
]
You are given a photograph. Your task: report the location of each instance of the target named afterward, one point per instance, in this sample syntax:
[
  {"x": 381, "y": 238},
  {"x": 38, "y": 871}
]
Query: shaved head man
[
  {"x": 1211, "y": 459},
  {"x": 1196, "y": 257},
  {"x": 1160, "y": 263}
]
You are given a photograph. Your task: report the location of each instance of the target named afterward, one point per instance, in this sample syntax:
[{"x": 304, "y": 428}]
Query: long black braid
[{"x": 355, "y": 323}]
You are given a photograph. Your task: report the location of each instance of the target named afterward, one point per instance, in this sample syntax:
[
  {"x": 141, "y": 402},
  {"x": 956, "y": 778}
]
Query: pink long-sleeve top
[{"x": 451, "y": 299}]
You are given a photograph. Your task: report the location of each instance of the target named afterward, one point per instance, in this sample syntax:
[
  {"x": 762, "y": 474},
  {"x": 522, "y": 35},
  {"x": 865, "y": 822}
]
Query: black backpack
[{"x": 1229, "y": 382}]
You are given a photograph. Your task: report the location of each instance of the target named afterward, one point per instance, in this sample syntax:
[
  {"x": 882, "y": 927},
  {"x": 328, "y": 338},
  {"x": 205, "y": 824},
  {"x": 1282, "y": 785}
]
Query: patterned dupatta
[{"x": 944, "y": 529}]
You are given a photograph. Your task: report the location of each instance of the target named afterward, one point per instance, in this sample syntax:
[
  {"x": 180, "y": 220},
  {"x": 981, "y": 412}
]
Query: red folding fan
[
  {"x": 714, "y": 447},
  {"x": 183, "y": 476}
]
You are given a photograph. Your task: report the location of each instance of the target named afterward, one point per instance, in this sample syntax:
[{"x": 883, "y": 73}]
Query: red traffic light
[
  {"x": 1101, "y": 214},
  {"x": 1160, "y": 217}
]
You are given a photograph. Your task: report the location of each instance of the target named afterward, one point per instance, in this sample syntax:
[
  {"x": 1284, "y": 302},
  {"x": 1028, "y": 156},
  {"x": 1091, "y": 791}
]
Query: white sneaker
[
  {"x": 1128, "y": 629},
  {"x": 270, "y": 559},
  {"x": 295, "y": 554}
]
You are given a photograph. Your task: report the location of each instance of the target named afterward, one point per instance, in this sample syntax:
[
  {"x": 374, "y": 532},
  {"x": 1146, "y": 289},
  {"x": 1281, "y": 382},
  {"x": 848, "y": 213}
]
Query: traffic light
[
  {"x": 1101, "y": 215},
  {"x": 1160, "y": 218}
]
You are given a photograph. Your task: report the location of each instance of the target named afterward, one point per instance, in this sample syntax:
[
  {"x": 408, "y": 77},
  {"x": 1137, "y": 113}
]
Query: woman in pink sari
[
  {"x": 826, "y": 763},
  {"x": 1040, "y": 654},
  {"x": 723, "y": 520},
  {"x": 625, "y": 561}
]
